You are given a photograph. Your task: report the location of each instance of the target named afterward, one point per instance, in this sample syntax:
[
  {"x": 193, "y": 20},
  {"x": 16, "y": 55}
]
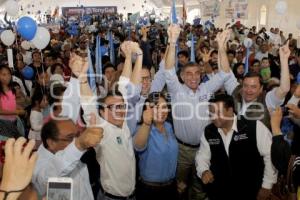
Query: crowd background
[{"x": 31, "y": 92}]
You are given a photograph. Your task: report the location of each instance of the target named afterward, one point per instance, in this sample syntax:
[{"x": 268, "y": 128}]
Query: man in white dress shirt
[
  {"x": 115, "y": 152},
  {"x": 234, "y": 159},
  {"x": 60, "y": 153}
]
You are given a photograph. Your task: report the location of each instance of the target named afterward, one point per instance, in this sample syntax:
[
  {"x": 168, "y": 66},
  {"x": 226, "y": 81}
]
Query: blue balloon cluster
[
  {"x": 28, "y": 73},
  {"x": 27, "y": 28}
]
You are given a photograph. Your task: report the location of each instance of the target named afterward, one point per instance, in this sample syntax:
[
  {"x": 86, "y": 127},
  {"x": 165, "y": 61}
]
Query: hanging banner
[
  {"x": 210, "y": 8},
  {"x": 78, "y": 11},
  {"x": 237, "y": 9}
]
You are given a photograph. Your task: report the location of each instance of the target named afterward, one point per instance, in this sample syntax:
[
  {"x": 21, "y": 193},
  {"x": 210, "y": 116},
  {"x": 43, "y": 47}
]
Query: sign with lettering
[{"x": 80, "y": 11}]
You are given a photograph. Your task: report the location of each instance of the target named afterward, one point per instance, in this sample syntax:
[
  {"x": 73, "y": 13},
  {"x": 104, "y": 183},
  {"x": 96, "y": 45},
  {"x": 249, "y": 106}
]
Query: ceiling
[{"x": 168, "y": 3}]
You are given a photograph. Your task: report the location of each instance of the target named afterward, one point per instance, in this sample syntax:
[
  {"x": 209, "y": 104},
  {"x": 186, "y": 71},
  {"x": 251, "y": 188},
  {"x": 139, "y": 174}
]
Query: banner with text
[
  {"x": 237, "y": 9},
  {"x": 210, "y": 8},
  {"x": 97, "y": 10}
]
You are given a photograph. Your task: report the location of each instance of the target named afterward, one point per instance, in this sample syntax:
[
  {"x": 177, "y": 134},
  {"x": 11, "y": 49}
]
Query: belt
[
  {"x": 188, "y": 145},
  {"x": 157, "y": 184},
  {"x": 116, "y": 197}
]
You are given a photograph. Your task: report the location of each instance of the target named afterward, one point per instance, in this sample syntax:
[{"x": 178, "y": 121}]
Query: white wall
[
  {"x": 287, "y": 22},
  {"x": 132, "y": 6}
]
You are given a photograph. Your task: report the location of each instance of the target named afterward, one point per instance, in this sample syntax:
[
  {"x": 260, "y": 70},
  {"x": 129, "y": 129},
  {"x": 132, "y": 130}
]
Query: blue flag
[
  {"x": 176, "y": 57},
  {"x": 111, "y": 49},
  {"x": 98, "y": 59},
  {"x": 247, "y": 61},
  {"x": 173, "y": 13},
  {"x": 91, "y": 73},
  {"x": 193, "y": 59}
]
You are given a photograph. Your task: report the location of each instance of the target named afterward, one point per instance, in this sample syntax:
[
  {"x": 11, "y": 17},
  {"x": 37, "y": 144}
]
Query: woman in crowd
[
  {"x": 239, "y": 70},
  {"x": 157, "y": 149},
  {"x": 8, "y": 106}
]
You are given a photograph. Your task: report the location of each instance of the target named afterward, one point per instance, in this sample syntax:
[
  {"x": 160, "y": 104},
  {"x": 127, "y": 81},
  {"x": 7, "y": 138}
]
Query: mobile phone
[{"x": 60, "y": 188}]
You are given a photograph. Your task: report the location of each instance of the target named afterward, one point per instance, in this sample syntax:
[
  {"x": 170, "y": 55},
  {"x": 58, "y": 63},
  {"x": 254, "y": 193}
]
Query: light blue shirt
[
  {"x": 158, "y": 159},
  {"x": 190, "y": 109},
  {"x": 65, "y": 163}
]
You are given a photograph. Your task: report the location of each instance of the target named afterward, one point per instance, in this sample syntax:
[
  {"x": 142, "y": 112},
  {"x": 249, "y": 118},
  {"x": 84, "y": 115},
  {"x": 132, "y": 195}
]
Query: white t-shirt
[{"x": 36, "y": 123}]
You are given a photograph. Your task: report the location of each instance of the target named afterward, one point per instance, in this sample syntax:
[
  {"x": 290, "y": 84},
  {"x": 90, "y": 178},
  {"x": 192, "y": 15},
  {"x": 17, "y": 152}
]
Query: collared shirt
[
  {"x": 115, "y": 152},
  {"x": 65, "y": 163},
  {"x": 264, "y": 141},
  {"x": 158, "y": 159},
  {"x": 272, "y": 102},
  {"x": 190, "y": 109},
  {"x": 136, "y": 101}
]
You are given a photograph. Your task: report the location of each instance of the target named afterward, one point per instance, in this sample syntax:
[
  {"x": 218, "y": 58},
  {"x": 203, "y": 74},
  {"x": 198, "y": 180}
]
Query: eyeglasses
[
  {"x": 146, "y": 78},
  {"x": 116, "y": 107},
  {"x": 68, "y": 139}
]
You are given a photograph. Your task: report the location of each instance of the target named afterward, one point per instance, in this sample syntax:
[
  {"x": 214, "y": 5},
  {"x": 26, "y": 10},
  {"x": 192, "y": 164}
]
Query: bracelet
[
  {"x": 139, "y": 54},
  {"x": 171, "y": 43},
  {"x": 83, "y": 82},
  {"x": 6, "y": 193},
  {"x": 146, "y": 124}
]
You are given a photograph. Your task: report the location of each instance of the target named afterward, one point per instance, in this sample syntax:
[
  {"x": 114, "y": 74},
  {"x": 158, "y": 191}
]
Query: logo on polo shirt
[
  {"x": 205, "y": 97},
  {"x": 214, "y": 141},
  {"x": 119, "y": 140},
  {"x": 240, "y": 137}
]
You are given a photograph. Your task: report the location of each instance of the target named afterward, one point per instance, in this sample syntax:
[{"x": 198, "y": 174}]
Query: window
[
  {"x": 263, "y": 15},
  {"x": 192, "y": 14}
]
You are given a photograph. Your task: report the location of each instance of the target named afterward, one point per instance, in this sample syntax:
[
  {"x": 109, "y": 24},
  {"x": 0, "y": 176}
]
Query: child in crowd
[{"x": 39, "y": 102}]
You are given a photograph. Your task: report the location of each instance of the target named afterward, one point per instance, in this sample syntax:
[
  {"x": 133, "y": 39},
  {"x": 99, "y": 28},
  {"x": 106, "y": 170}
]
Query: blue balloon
[
  {"x": 28, "y": 73},
  {"x": 27, "y": 28}
]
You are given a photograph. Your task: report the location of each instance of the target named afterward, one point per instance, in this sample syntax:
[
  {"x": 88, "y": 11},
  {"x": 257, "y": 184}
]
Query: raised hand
[
  {"x": 126, "y": 49},
  {"x": 222, "y": 39},
  {"x": 285, "y": 52},
  {"x": 206, "y": 55},
  {"x": 148, "y": 115},
  {"x": 173, "y": 33},
  {"x": 76, "y": 64},
  {"x": 91, "y": 137},
  {"x": 19, "y": 164},
  {"x": 135, "y": 48}
]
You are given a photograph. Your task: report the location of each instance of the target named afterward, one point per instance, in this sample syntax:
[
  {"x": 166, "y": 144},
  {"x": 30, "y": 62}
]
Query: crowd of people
[{"x": 162, "y": 122}]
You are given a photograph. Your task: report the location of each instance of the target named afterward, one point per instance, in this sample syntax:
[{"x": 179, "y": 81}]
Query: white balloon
[
  {"x": 25, "y": 45},
  {"x": 32, "y": 45},
  {"x": 298, "y": 24},
  {"x": 281, "y": 7},
  {"x": 8, "y": 37},
  {"x": 41, "y": 38},
  {"x": 248, "y": 42},
  {"x": 12, "y": 8}
]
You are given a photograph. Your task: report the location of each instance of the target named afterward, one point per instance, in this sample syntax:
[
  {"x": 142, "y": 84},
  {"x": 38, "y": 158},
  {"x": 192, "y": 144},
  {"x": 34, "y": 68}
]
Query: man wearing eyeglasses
[
  {"x": 147, "y": 86},
  {"x": 60, "y": 153},
  {"x": 115, "y": 152}
]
